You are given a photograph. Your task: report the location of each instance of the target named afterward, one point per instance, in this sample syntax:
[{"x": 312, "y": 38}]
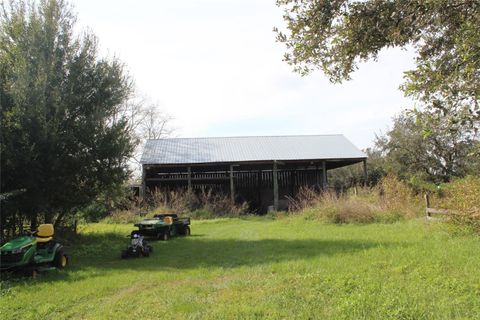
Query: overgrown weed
[
  {"x": 202, "y": 205},
  {"x": 461, "y": 198},
  {"x": 391, "y": 200}
]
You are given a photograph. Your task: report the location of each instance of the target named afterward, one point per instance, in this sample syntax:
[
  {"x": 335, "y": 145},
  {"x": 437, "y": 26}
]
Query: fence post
[{"x": 427, "y": 204}]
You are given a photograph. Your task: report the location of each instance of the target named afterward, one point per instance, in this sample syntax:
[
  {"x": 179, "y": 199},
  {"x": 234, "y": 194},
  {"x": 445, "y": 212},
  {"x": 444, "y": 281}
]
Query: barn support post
[
  {"x": 259, "y": 187},
  {"x": 275, "y": 185},
  {"x": 324, "y": 175},
  {"x": 293, "y": 176},
  {"x": 232, "y": 185},
  {"x": 365, "y": 173},
  {"x": 144, "y": 184},
  {"x": 189, "y": 178}
]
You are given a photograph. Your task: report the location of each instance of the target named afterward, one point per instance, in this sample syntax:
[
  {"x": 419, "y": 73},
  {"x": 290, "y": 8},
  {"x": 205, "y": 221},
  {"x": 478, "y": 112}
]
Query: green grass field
[{"x": 257, "y": 269}]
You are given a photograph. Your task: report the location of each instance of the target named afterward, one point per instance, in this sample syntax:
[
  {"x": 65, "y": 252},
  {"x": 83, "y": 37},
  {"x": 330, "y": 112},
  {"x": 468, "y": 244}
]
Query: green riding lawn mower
[{"x": 33, "y": 252}]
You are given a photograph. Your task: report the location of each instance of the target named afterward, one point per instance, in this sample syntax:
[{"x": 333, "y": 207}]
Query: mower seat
[
  {"x": 45, "y": 233},
  {"x": 168, "y": 220}
]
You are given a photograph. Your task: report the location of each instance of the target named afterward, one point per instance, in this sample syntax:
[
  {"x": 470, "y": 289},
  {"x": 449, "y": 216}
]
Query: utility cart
[{"x": 164, "y": 226}]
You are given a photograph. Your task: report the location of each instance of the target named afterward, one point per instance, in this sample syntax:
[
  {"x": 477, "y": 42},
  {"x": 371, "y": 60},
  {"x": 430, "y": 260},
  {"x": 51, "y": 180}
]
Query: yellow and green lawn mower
[{"x": 34, "y": 252}]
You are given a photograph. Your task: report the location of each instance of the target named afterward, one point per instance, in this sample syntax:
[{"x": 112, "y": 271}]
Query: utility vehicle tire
[
  {"x": 187, "y": 231},
  {"x": 146, "y": 252},
  {"x": 61, "y": 260},
  {"x": 150, "y": 248},
  {"x": 124, "y": 254}
]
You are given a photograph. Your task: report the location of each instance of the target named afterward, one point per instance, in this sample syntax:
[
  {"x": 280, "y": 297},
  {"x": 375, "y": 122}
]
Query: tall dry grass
[
  {"x": 391, "y": 200},
  {"x": 203, "y": 205},
  {"x": 188, "y": 203}
]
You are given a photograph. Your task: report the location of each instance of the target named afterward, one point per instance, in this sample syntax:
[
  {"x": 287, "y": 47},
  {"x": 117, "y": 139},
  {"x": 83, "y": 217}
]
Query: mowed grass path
[{"x": 261, "y": 269}]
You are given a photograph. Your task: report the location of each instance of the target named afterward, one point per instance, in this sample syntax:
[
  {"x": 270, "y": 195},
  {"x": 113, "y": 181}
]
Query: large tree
[
  {"x": 436, "y": 153},
  {"x": 335, "y": 35},
  {"x": 63, "y": 139}
]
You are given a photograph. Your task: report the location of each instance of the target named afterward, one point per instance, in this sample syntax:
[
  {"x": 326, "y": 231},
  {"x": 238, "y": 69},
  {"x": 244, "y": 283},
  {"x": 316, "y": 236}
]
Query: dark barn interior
[{"x": 263, "y": 171}]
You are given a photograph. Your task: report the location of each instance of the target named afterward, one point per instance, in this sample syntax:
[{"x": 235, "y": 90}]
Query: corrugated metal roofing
[{"x": 239, "y": 149}]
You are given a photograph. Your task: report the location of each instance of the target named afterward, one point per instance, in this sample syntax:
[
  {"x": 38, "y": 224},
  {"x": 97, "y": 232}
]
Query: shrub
[
  {"x": 462, "y": 198},
  {"x": 93, "y": 212},
  {"x": 349, "y": 210},
  {"x": 123, "y": 216},
  {"x": 329, "y": 207},
  {"x": 201, "y": 214}
]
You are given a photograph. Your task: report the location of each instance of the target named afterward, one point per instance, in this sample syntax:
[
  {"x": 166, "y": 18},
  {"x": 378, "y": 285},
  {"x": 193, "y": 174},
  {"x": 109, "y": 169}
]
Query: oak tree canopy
[{"x": 336, "y": 35}]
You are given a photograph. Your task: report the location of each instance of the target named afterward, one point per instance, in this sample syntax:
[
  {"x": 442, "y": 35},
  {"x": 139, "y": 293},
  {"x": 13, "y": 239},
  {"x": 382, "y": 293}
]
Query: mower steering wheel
[{"x": 28, "y": 233}]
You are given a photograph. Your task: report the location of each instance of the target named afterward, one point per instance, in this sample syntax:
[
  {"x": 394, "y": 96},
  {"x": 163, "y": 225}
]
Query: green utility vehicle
[
  {"x": 164, "y": 226},
  {"x": 34, "y": 252}
]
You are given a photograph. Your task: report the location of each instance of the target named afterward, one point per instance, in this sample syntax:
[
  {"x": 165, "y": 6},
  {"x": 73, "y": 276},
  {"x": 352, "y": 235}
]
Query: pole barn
[{"x": 264, "y": 171}]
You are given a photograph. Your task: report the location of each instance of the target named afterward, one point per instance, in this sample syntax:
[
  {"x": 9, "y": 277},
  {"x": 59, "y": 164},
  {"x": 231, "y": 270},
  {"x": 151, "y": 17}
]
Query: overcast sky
[{"x": 215, "y": 67}]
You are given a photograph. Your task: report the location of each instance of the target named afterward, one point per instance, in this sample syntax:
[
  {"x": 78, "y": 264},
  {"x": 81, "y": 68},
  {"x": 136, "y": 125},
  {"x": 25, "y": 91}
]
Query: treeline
[
  {"x": 420, "y": 150},
  {"x": 439, "y": 141}
]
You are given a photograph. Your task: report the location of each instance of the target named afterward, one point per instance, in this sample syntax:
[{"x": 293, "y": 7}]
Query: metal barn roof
[{"x": 246, "y": 149}]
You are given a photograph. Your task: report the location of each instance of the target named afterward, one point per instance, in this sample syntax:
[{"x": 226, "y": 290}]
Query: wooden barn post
[
  {"x": 324, "y": 175},
  {"x": 259, "y": 187},
  {"x": 144, "y": 184},
  {"x": 275, "y": 186},
  {"x": 293, "y": 176},
  {"x": 189, "y": 178},
  {"x": 232, "y": 185}
]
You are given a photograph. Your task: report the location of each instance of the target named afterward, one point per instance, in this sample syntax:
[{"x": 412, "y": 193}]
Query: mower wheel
[
  {"x": 30, "y": 272},
  {"x": 187, "y": 231},
  {"x": 146, "y": 252},
  {"x": 61, "y": 260},
  {"x": 150, "y": 248}
]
